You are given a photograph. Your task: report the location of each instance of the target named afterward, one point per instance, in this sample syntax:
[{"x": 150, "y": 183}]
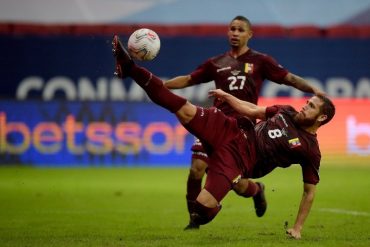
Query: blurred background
[{"x": 60, "y": 104}]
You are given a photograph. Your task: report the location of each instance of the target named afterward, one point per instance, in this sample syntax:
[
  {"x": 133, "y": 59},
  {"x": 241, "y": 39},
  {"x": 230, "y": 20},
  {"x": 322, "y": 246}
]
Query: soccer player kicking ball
[
  {"x": 231, "y": 72},
  {"x": 239, "y": 149}
]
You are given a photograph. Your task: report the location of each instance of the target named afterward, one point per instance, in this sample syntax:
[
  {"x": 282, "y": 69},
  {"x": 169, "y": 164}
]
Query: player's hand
[
  {"x": 294, "y": 233},
  {"x": 217, "y": 93}
]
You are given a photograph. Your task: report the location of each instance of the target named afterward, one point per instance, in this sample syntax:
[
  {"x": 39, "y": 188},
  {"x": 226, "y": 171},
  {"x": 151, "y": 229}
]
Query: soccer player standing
[{"x": 229, "y": 72}]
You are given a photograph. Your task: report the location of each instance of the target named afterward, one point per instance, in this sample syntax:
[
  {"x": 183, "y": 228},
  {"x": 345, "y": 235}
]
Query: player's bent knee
[
  {"x": 203, "y": 215},
  {"x": 240, "y": 187},
  {"x": 186, "y": 113}
]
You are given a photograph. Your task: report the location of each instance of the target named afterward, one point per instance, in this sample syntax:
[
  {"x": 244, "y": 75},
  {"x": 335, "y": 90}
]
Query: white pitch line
[{"x": 343, "y": 211}]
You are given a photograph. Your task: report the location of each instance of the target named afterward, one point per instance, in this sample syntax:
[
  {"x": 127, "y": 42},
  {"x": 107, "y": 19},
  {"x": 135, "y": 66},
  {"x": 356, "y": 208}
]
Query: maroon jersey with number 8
[{"x": 281, "y": 143}]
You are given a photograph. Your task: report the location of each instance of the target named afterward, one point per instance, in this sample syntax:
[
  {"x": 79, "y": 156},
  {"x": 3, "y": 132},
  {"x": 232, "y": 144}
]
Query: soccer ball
[{"x": 144, "y": 44}]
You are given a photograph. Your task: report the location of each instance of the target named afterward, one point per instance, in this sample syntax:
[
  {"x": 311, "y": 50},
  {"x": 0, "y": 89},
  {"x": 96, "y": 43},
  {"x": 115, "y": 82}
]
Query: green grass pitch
[{"x": 146, "y": 207}]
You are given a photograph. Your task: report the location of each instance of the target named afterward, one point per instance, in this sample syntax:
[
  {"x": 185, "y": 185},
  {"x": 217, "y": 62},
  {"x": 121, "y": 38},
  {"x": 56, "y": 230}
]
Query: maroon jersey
[
  {"x": 241, "y": 77},
  {"x": 280, "y": 144}
]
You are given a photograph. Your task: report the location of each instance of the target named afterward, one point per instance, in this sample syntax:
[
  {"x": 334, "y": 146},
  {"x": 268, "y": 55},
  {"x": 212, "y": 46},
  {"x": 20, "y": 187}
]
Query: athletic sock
[
  {"x": 204, "y": 214},
  {"x": 155, "y": 89},
  {"x": 193, "y": 188}
]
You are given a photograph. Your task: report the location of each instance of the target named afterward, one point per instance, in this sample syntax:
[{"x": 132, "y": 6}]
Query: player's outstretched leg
[
  {"x": 152, "y": 85},
  {"x": 260, "y": 203}
]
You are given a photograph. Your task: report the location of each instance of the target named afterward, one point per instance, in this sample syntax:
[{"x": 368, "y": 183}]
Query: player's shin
[
  {"x": 193, "y": 189},
  {"x": 155, "y": 89}
]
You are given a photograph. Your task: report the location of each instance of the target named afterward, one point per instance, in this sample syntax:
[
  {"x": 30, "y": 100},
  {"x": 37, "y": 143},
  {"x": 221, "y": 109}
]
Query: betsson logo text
[
  {"x": 114, "y": 89},
  {"x": 98, "y": 138},
  {"x": 358, "y": 137}
]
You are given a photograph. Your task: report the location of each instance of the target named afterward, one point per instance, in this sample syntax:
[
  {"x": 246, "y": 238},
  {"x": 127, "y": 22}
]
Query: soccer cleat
[
  {"x": 260, "y": 203},
  {"x": 192, "y": 225},
  {"x": 123, "y": 58}
]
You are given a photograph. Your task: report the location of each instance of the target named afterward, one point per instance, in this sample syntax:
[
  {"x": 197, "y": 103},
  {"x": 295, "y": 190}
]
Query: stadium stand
[
  {"x": 341, "y": 31},
  {"x": 39, "y": 29},
  {"x": 4, "y": 28},
  {"x": 268, "y": 31},
  {"x": 363, "y": 32},
  {"x": 306, "y": 31}
]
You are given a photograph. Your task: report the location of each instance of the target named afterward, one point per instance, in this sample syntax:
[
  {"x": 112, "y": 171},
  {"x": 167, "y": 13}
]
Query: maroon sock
[
  {"x": 204, "y": 214},
  {"x": 155, "y": 89},
  {"x": 193, "y": 188},
  {"x": 252, "y": 189}
]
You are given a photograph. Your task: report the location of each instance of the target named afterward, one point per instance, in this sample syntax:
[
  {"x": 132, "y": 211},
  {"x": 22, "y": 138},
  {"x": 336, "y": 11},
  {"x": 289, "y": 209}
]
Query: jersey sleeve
[
  {"x": 311, "y": 161},
  {"x": 271, "y": 111},
  {"x": 202, "y": 74},
  {"x": 274, "y": 71},
  {"x": 310, "y": 172}
]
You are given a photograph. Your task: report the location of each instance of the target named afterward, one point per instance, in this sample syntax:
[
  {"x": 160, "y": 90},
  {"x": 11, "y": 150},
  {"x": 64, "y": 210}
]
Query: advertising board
[{"x": 64, "y": 133}]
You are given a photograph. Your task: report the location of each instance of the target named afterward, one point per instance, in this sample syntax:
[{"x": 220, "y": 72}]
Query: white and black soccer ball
[{"x": 144, "y": 44}]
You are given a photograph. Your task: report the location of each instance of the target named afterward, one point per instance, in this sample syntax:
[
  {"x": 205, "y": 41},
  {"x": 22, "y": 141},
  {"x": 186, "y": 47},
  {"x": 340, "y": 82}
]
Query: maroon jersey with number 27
[{"x": 241, "y": 77}]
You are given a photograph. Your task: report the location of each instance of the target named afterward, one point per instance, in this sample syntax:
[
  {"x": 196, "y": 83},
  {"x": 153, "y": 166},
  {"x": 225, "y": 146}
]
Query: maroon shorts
[
  {"x": 198, "y": 152},
  {"x": 231, "y": 150}
]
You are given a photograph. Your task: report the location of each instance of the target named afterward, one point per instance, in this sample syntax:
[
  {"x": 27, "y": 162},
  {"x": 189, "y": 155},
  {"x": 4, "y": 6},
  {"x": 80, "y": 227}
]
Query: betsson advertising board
[{"x": 62, "y": 133}]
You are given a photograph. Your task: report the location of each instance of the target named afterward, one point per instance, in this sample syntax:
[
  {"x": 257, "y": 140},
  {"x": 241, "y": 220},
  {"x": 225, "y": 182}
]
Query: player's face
[
  {"x": 239, "y": 33},
  {"x": 309, "y": 112}
]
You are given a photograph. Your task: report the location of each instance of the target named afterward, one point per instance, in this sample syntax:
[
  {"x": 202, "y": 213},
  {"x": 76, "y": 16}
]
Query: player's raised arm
[
  {"x": 178, "y": 82},
  {"x": 301, "y": 84},
  {"x": 243, "y": 107}
]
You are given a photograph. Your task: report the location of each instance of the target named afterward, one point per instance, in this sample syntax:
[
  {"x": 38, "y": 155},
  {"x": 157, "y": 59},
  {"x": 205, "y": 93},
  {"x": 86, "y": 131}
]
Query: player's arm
[
  {"x": 304, "y": 209},
  {"x": 178, "y": 82},
  {"x": 301, "y": 84},
  {"x": 243, "y": 107}
]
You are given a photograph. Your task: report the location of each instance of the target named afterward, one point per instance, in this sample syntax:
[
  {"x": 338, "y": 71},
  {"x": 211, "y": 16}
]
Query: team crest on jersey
[
  {"x": 248, "y": 68},
  {"x": 295, "y": 142}
]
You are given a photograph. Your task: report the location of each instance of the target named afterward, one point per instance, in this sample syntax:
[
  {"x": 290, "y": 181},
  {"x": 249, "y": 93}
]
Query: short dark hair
[
  {"x": 327, "y": 108},
  {"x": 242, "y": 18}
]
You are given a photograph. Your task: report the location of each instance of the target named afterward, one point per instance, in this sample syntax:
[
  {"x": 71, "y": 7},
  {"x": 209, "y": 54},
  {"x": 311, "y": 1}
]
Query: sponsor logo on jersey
[
  {"x": 295, "y": 142},
  {"x": 224, "y": 68},
  {"x": 248, "y": 68}
]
